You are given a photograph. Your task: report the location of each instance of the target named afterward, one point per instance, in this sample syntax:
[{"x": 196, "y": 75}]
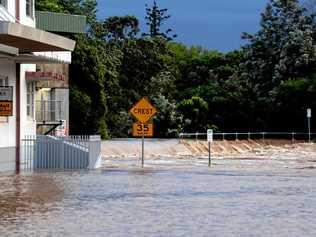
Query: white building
[{"x": 22, "y": 46}]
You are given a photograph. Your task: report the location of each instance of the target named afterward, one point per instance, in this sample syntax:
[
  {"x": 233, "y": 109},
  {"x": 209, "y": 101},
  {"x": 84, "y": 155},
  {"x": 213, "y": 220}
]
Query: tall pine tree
[
  {"x": 155, "y": 18},
  {"x": 282, "y": 49}
]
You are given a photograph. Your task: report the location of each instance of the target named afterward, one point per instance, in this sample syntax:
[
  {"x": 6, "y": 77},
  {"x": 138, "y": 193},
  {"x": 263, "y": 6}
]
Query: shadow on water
[{"x": 26, "y": 194}]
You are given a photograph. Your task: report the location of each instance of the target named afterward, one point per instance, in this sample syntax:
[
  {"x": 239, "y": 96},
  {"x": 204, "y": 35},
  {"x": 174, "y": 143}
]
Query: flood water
[{"x": 192, "y": 201}]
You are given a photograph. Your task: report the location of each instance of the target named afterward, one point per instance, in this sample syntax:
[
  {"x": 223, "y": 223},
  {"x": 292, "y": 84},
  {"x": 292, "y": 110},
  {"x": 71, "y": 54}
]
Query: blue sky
[{"x": 214, "y": 24}]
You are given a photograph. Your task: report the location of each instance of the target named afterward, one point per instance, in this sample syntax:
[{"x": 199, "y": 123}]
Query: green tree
[
  {"x": 155, "y": 18},
  {"x": 88, "y": 67},
  {"x": 194, "y": 110},
  {"x": 168, "y": 121},
  {"x": 119, "y": 29},
  {"x": 282, "y": 49},
  {"x": 48, "y": 5},
  {"x": 293, "y": 97}
]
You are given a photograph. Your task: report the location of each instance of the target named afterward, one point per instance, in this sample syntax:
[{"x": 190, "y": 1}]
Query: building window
[
  {"x": 30, "y": 99},
  {"x": 4, "y": 81},
  {"x": 3, "y": 3},
  {"x": 29, "y": 8}
]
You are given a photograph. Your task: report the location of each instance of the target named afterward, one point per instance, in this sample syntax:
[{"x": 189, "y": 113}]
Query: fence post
[
  {"x": 249, "y": 136},
  {"x": 293, "y": 137},
  {"x": 180, "y": 135},
  {"x": 236, "y": 136},
  {"x": 196, "y": 136},
  {"x": 35, "y": 152},
  {"x": 263, "y": 138},
  {"x": 62, "y": 154}
]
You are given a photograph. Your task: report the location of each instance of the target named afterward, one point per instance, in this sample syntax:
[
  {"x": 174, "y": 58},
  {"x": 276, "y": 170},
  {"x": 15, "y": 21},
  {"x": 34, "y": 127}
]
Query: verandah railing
[{"x": 49, "y": 110}]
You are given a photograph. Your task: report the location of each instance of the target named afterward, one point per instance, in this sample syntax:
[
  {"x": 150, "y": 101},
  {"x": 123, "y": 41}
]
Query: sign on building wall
[
  {"x": 6, "y": 101},
  {"x": 6, "y": 93},
  {"x": 50, "y": 76},
  {"x": 6, "y": 108}
]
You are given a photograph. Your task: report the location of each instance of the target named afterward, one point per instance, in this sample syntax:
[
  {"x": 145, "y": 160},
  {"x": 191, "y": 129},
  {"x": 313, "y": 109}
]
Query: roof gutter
[
  {"x": 28, "y": 39},
  {"x": 8, "y": 50}
]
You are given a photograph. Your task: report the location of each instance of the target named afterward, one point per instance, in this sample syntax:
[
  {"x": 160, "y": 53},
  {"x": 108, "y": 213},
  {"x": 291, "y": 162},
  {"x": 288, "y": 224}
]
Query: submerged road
[{"x": 160, "y": 201}]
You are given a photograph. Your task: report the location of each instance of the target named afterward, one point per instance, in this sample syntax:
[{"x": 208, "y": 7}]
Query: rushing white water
[{"x": 270, "y": 154}]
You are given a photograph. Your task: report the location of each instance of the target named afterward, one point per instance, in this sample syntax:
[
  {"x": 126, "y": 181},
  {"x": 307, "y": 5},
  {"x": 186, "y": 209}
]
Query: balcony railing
[{"x": 48, "y": 111}]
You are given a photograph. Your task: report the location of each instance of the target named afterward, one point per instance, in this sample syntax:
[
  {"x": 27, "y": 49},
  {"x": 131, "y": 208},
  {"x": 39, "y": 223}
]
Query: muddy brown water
[{"x": 156, "y": 201}]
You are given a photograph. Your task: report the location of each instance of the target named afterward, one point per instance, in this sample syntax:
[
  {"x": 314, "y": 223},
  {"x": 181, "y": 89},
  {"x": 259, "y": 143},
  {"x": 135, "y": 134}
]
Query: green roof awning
[{"x": 59, "y": 22}]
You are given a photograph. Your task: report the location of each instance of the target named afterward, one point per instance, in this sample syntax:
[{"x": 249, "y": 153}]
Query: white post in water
[
  {"x": 209, "y": 140},
  {"x": 309, "y": 115}
]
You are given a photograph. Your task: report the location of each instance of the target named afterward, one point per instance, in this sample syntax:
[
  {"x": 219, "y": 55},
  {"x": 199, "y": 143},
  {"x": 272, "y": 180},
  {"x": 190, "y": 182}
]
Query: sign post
[
  {"x": 143, "y": 150},
  {"x": 209, "y": 140},
  {"x": 309, "y": 115},
  {"x": 143, "y": 111}
]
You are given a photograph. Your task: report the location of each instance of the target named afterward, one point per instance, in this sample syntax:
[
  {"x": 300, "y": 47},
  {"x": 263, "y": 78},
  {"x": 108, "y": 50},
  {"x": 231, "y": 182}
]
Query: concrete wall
[
  {"x": 11, "y": 7},
  {"x": 24, "y": 19},
  {"x": 28, "y": 124},
  {"x": 7, "y": 124},
  {"x": 55, "y": 68},
  {"x": 64, "y": 57},
  {"x": 7, "y": 159}
]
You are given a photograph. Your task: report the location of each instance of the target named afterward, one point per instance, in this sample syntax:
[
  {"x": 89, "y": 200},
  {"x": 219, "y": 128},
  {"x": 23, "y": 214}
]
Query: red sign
[{"x": 36, "y": 76}]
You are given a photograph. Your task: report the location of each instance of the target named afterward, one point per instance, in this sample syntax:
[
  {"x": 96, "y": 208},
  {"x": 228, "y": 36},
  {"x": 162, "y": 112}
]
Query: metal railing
[
  {"x": 49, "y": 110},
  {"x": 250, "y": 135},
  {"x": 60, "y": 153}
]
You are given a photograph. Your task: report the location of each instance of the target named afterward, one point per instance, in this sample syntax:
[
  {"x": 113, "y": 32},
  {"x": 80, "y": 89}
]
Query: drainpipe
[
  {"x": 17, "y": 11},
  {"x": 18, "y": 118},
  {"x": 18, "y": 100}
]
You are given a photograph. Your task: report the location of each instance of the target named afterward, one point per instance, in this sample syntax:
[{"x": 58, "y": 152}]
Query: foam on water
[{"x": 270, "y": 154}]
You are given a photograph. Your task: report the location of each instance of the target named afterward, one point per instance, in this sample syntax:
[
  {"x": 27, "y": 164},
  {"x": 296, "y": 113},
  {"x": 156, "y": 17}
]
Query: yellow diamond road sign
[{"x": 143, "y": 110}]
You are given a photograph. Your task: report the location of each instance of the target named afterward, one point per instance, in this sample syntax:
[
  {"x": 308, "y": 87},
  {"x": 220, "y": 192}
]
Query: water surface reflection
[{"x": 152, "y": 202}]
